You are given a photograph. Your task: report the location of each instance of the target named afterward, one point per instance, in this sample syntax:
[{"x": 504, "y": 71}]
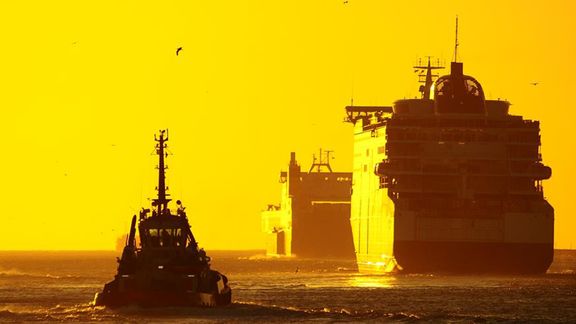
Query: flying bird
[
  {"x": 535, "y": 83},
  {"x": 178, "y": 50}
]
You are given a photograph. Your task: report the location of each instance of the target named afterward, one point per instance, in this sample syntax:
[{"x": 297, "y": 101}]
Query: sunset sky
[{"x": 84, "y": 85}]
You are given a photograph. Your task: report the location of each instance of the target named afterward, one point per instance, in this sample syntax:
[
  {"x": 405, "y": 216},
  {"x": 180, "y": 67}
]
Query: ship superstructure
[
  {"x": 167, "y": 268},
  {"x": 451, "y": 183},
  {"x": 312, "y": 219}
]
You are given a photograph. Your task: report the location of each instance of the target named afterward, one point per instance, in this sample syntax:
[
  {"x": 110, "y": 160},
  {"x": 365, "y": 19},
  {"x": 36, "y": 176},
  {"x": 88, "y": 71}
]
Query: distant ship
[
  {"x": 313, "y": 217},
  {"x": 451, "y": 183},
  {"x": 168, "y": 268}
]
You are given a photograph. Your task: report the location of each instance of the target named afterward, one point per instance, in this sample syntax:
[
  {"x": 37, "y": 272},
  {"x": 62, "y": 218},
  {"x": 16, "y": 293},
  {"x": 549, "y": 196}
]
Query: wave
[
  {"x": 562, "y": 272},
  {"x": 346, "y": 269},
  {"x": 237, "y": 312},
  {"x": 18, "y": 273},
  {"x": 244, "y": 311},
  {"x": 264, "y": 257},
  {"x": 268, "y": 286},
  {"x": 80, "y": 312}
]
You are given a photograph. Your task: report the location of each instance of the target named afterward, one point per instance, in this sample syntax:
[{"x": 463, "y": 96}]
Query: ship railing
[
  {"x": 459, "y": 214},
  {"x": 485, "y": 158},
  {"x": 355, "y": 113},
  {"x": 468, "y": 122},
  {"x": 455, "y": 172},
  {"x": 412, "y": 135},
  {"x": 419, "y": 189}
]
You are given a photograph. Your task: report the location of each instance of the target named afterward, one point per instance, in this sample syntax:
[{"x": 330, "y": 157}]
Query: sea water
[{"x": 60, "y": 286}]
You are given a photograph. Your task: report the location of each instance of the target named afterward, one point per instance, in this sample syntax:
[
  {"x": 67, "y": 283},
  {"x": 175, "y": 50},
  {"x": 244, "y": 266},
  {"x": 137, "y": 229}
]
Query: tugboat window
[
  {"x": 154, "y": 239},
  {"x": 166, "y": 238}
]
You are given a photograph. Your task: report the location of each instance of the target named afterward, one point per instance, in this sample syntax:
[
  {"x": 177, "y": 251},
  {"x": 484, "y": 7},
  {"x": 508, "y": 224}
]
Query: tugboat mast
[{"x": 161, "y": 203}]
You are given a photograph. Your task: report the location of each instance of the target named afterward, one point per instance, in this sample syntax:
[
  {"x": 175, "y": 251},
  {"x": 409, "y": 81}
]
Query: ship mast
[
  {"x": 456, "y": 42},
  {"x": 161, "y": 203}
]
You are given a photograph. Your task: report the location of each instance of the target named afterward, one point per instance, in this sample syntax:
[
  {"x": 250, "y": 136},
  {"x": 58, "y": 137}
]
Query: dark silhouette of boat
[{"x": 168, "y": 268}]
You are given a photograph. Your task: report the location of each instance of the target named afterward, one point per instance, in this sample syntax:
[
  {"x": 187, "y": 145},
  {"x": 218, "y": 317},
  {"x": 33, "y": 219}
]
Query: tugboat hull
[
  {"x": 163, "y": 299},
  {"x": 164, "y": 288}
]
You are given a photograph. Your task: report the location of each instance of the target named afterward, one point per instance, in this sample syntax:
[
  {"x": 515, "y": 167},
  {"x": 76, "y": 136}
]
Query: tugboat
[{"x": 168, "y": 268}]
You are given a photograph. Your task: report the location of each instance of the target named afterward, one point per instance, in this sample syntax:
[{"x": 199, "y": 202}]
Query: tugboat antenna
[
  {"x": 161, "y": 202},
  {"x": 456, "y": 42}
]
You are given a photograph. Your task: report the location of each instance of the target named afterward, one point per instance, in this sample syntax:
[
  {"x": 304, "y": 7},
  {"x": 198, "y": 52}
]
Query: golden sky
[{"x": 85, "y": 84}]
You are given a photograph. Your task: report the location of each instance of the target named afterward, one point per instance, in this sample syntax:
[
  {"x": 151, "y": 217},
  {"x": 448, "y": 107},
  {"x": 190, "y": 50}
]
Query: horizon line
[{"x": 113, "y": 250}]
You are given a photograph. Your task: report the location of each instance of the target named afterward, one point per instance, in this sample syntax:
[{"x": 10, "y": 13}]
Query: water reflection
[{"x": 372, "y": 281}]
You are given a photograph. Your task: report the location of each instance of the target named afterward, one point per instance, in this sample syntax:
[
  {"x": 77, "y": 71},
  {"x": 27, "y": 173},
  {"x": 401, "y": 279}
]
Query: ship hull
[{"x": 473, "y": 257}]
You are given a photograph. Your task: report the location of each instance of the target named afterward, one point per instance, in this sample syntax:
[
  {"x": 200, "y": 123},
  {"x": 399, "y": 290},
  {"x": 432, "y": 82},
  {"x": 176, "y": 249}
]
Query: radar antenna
[
  {"x": 321, "y": 163},
  {"x": 161, "y": 203},
  {"x": 427, "y": 78}
]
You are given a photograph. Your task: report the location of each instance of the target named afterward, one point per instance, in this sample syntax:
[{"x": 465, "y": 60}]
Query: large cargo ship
[
  {"x": 450, "y": 182},
  {"x": 312, "y": 219}
]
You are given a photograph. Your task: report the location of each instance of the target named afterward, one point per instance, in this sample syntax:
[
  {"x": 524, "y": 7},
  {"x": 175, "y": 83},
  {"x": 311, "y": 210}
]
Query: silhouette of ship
[
  {"x": 168, "y": 269},
  {"x": 451, "y": 183},
  {"x": 313, "y": 217}
]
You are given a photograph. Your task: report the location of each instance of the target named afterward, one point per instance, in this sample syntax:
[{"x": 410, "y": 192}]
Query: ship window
[
  {"x": 458, "y": 95},
  {"x": 472, "y": 88}
]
